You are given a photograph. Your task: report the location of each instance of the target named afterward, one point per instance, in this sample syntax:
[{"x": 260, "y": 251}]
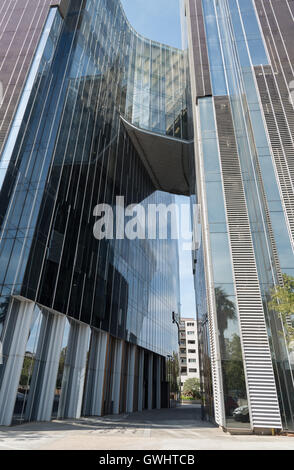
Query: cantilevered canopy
[{"x": 166, "y": 159}]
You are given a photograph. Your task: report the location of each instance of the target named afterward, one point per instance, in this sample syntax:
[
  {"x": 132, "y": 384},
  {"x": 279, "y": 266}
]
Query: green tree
[
  {"x": 282, "y": 301},
  {"x": 234, "y": 377},
  {"x": 192, "y": 388},
  {"x": 173, "y": 372},
  {"x": 26, "y": 372},
  {"x": 61, "y": 368},
  {"x": 231, "y": 352},
  {"x": 225, "y": 311}
]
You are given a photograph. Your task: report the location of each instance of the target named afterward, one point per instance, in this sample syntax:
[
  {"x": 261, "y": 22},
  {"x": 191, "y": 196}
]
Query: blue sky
[
  {"x": 156, "y": 19},
  {"x": 186, "y": 277},
  {"x": 160, "y": 20}
]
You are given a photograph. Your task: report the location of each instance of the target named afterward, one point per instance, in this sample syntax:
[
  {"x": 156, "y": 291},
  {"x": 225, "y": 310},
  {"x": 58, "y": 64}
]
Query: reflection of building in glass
[
  {"x": 241, "y": 62},
  {"x": 87, "y": 325}
]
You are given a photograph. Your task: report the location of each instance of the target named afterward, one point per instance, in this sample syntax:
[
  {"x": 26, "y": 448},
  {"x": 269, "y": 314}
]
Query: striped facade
[
  {"x": 243, "y": 123},
  {"x": 21, "y": 26}
]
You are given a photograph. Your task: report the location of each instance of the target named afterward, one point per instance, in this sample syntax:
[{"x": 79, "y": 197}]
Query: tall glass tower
[
  {"x": 87, "y": 107},
  {"x": 241, "y": 63}
]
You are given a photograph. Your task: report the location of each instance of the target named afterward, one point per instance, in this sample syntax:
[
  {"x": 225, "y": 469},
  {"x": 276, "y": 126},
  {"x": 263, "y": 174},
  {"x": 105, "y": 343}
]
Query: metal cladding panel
[
  {"x": 261, "y": 386},
  {"x": 279, "y": 118},
  {"x": 200, "y": 53},
  {"x": 277, "y": 23},
  {"x": 215, "y": 360},
  {"x": 276, "y": 18},
  {"x": 275, "y": 254},
  {"x": 216, "y": 367},
  {"x": 275, "y": 85},
  {"x": 21, "y": 25}
]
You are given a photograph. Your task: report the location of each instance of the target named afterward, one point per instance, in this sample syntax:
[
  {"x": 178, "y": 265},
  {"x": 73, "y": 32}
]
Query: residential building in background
[
  {"x": 188, "y": 350},
  {"x": 88, "y": 107},
  {"x": 241, "y": 56}
]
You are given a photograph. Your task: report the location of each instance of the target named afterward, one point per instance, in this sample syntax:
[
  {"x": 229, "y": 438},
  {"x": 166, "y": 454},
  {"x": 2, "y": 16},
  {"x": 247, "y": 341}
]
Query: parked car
[{"x": 242, "y": 414}]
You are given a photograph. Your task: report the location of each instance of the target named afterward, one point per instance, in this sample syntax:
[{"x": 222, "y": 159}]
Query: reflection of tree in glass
[
  {"x": 26, "y": 372},
  {"x": 232, "y": 359},
  {"x": 282, "y": 301},
  {"x": 233, "y": 368},
  {"x": 225, "y": 311},
  {"x": 173, "y": 372},
  {"x": 61, "y": 368}
]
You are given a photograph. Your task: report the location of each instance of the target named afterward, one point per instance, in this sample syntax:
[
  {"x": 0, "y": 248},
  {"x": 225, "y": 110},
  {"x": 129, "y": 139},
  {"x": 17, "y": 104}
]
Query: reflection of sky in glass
[
  {"x": 66, "y": 333},
  {"x": 214, "y": 49},
  {"x": 34, "y": 331},
  {"x": 258, "y": 56},
  {"x": 253, "y": 33},
  {"x": 89, "y": 79},
  {"x": 225, "y": 299},
  {"x": 156, "y": 86},
  {"x": 221, "y": 258},
  {"x": 188, "y": 307}
]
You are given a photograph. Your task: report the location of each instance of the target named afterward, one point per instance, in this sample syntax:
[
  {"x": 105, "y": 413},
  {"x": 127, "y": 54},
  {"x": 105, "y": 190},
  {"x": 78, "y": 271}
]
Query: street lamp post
[{"x": 176, "y": 318}]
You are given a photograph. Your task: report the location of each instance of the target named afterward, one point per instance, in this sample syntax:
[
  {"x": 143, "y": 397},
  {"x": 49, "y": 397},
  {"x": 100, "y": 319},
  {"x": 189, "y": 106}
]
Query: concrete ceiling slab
[{"x": 166, "y": 159}]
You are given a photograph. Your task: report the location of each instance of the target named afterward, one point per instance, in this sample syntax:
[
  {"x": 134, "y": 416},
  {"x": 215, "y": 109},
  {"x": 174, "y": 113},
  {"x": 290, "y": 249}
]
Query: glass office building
[
  {"x": 241, "y": 61},
  {"x": 90, "y": 110},
  {"x": 86, "y": 325}
]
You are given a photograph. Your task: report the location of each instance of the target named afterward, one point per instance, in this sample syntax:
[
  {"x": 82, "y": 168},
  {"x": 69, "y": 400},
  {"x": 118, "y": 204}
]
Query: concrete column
[
  {"x": 117, "y": 376},
  {"x": 131, "y": 378},
  {"x": 140, "y": 380},
  {"x": 150, "y": 380},
  {"x": 43, "y": 383},
  {"x": 93, "y": 399},
  {"x": 74, "y": 371},
  {"x": 15, "y": 337},
  {"x": 158, "y": 382}
]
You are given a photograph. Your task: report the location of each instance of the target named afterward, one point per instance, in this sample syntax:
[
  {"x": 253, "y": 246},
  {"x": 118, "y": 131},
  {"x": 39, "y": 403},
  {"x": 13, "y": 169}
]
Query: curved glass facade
[
  {"x": 67, "y": 152},
  {"x": 73, "y": 306},
  {"x": 156, "y": 97}
]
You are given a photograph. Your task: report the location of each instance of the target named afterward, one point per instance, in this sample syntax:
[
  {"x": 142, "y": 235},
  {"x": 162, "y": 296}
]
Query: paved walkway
[{"x": 173, "y": 429}]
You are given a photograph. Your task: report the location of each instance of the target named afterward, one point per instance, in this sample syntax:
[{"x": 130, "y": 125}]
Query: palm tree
[{"x": 225, "y": 311}]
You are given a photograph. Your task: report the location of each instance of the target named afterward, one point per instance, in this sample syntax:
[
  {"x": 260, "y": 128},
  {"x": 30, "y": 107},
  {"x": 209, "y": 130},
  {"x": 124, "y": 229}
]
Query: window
[
  {"x": 190, "y": 332},
  {"x": 193, "y": 370},
  {"x": 191, "y": 341},
  {"x": 192, "y": 351},
  {"x": 190, "y": 324},
  {"x": 191, "y": 360}
]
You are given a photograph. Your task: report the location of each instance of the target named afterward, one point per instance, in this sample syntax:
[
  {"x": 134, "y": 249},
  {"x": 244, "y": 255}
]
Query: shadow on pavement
[{"x": 182, "y": 416}]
